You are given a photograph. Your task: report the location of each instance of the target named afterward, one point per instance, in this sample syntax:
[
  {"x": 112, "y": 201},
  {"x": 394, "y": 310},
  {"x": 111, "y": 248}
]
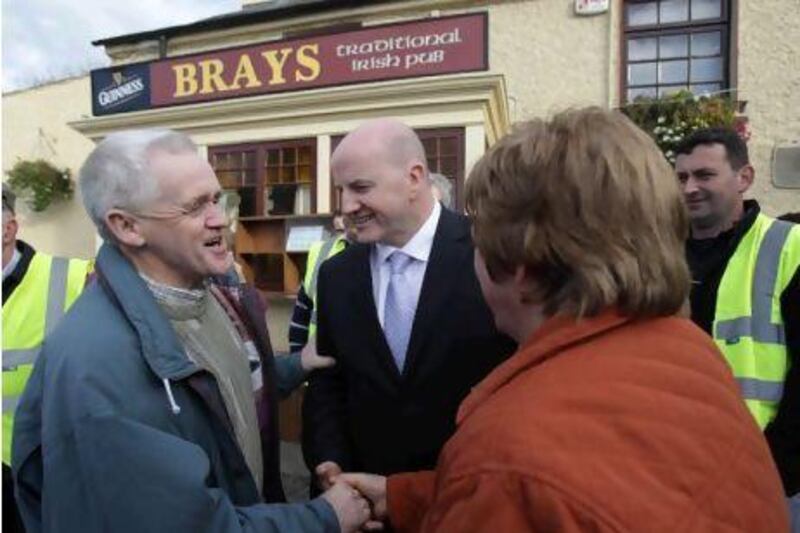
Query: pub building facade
[{"x": 269, "y": 90}]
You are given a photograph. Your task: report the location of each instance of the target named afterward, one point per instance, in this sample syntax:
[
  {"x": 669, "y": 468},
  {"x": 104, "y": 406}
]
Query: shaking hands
[{"x": 364, "y": 490}]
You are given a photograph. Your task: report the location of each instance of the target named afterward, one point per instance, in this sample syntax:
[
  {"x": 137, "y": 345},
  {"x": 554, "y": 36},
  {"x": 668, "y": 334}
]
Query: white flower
[{"x": 661, "y": 120}]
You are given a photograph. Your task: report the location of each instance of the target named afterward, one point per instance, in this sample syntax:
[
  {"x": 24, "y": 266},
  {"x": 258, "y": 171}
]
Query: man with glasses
[{"x": 142, "y": 413}]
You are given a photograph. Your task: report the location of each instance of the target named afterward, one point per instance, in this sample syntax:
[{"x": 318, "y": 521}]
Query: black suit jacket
[{"x": 362, "y": 413}]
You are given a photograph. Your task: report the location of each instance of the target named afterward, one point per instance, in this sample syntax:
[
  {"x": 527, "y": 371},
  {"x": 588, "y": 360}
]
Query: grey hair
[
  {"x": 116, "y": 174},
  {"x": 445, "y": 188}
]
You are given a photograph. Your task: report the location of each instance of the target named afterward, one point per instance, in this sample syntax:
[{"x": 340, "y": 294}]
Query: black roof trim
[{"x": 275, "y": 10}]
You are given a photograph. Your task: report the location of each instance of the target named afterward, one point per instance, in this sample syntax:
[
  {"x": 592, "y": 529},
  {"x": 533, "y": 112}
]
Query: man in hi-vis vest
[
  {"x": 746, "y": 289},
  {"x": 37, "y": 290},
  {"x": 303, "y": 325}
]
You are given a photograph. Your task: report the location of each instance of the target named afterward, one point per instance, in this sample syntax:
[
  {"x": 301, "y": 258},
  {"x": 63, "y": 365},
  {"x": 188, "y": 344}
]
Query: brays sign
[{"x": 411, "y": 49}]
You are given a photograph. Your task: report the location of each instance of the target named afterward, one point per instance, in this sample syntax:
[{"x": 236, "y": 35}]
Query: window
[
  {"x": 275, "y": 178},
  {"x": 444, "y": 149},
  {"x": 673, "y": 45}
]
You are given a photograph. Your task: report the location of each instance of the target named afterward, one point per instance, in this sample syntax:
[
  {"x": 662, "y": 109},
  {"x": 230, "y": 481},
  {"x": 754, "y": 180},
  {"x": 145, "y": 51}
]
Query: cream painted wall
[
  {"x": 769, "y": 79},
  {"x": 35, "y": 126},
  {"x": 550, "y": 57}
]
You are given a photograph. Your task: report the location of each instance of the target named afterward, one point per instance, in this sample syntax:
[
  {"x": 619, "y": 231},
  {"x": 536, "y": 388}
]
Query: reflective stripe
[
  {"x": 57, "y": 293},
  {"x": 733, "y": 330},
  {"x": 10, "y": 404},
  {"x": 13, "y": 358},
  {"x": 323, "y": 255},
  {"x": 759, "y": 325},
  {"x": 758, "y": 389},
  {"x": 56, "y": 298}
]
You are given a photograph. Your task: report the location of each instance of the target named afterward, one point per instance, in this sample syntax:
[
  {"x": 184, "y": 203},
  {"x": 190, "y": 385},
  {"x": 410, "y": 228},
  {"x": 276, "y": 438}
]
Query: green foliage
[
  {"x": 39, "y": 183},
  {"x": 671, "y": 118}
]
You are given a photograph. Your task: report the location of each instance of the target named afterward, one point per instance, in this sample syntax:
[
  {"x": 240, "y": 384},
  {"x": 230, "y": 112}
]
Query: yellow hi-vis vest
[
  {"x": 748, "y": 325},
  {"x": 49, "y": 287},
  {"x": 317, "y": 254}
]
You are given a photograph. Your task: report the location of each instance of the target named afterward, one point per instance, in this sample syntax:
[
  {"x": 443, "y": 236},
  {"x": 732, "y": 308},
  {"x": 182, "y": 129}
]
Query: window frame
[
  {"x": 261, "y": 149},
  {"x": 723, "y": 24}
]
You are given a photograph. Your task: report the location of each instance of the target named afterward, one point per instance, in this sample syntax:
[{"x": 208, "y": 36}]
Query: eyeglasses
[{"x": 197, "y": 209}]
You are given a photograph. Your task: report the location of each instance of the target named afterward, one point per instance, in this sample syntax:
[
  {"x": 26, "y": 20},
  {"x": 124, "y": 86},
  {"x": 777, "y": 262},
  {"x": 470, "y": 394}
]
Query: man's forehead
[
  {"x": 703, "y": 155},
  {"x": 183, "y": 175}
]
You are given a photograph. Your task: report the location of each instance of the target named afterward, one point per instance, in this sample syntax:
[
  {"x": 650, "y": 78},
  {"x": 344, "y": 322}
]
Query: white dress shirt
[{"x": 418, "y": 247}]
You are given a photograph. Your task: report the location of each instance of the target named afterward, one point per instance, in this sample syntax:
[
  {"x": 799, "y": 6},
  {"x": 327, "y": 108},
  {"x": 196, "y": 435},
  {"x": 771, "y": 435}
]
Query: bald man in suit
[{"x": 401, "y": 312}]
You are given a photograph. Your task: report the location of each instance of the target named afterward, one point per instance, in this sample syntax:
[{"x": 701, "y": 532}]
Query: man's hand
[
  {"x": 352, "y": 510},
  {"x": 311, "y": 360},
  {"x": 327, "y": 474},
  {"x": 371, "y": 486}
]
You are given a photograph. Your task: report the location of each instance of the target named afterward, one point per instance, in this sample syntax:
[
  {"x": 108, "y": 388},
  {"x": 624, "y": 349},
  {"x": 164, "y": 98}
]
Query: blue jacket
[{"x": 119, "y": 431}]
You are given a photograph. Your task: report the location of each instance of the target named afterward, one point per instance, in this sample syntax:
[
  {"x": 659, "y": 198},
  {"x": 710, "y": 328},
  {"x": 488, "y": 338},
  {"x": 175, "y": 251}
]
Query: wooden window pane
[
  {"x": 673, "y": 71},
  {"x": 706, "y": 9},
  {"x": 448, "y": 146},
  {"x": 706, "y": 70},
  {"x": 272, "y": 175},
  {"x": 642, "y": 48},
  {"x": 304, "y": 155},
  {"x": 289, "y": 156},
  {"x": 705, "y": 88},
  {"x": 250, "y": 159},
  {"x": 641, "y": 92},
  {"x": 673, "y": 46},
  {"x": 280, "y": 199},
  {"x": 671, "y": 11},
  {"x": 249, "y": 176},
  {"x": 706, "y": 44},
  {"x": 642, "y": 14},
  {"x": 304, "y": 173},
  {"x": 666, "y": 90},
  {"x": 642, "y": 74},
  {"x": 448, "y": 166},
  {"x": 273, "y": 157},
  {"x": 287, "y": 174},
  {"x": 247, "y": 206},
  {"x": 302, "y": 200},
  {"x": 430, "y": 147}
]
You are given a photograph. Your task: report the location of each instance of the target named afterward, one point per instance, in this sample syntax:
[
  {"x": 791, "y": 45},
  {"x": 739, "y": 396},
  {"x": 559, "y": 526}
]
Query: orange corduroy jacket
[{"x": 605, "y": 424}]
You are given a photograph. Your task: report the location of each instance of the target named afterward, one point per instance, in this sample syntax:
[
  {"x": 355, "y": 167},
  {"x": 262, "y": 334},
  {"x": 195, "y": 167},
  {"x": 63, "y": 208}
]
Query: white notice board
[{"x": 301, "y": 238}]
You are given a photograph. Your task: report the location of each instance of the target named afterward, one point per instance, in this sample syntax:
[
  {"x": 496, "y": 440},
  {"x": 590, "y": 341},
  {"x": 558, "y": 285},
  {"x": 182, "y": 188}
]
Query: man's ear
[
  {"x": 416, "y": 175},
  {"x": 746, "y": 176},
  {"x": 125, "y": 228}
]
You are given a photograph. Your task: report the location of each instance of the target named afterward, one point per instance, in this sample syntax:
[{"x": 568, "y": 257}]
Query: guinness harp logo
[{"x": 120, "y": 90}]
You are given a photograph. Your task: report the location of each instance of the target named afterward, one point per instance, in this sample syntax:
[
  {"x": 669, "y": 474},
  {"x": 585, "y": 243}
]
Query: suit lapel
[{"x": 450, "y": 253}]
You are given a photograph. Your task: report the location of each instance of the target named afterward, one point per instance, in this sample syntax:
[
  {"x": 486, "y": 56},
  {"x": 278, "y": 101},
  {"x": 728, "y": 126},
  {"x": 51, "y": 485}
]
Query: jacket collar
[
  {"x": 554, "y": 336},
  {"x": 160, "y": 346}
]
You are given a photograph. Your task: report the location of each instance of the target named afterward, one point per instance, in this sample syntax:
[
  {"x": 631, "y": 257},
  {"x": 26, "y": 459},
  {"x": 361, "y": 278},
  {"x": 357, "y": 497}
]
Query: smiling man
[
  {"x": 400, "y": 311},
  {"x": 746, "y": 289},
  {"x": 141, "y": 413}
]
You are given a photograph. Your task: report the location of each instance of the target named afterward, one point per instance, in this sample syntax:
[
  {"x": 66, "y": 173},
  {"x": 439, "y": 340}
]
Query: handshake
[{"x": 359, "y": 500}]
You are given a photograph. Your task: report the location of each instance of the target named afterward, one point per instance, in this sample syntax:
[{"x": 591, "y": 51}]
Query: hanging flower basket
[
  {"x": 671, "y": 118},
  {"x": 39, "y": 183}
]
